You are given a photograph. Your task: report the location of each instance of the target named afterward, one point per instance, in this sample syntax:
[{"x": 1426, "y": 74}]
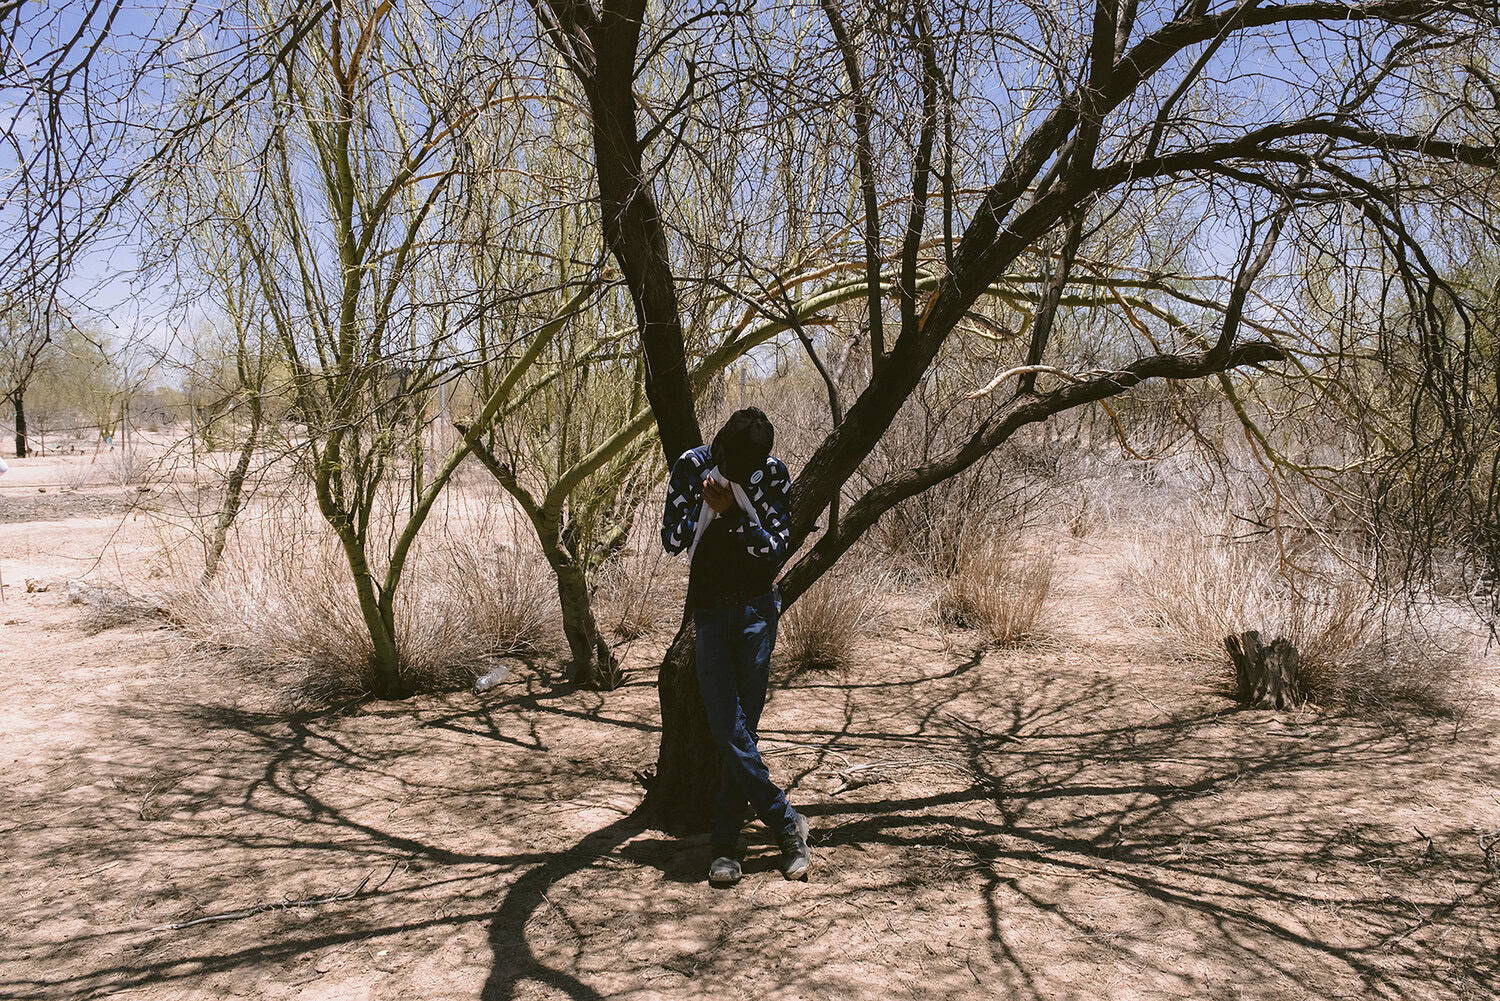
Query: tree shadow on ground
[
  {"x": 313, "y": 800},
  {"x": 1154, "y": 814},
  {"x": 1026, "y": 799}
]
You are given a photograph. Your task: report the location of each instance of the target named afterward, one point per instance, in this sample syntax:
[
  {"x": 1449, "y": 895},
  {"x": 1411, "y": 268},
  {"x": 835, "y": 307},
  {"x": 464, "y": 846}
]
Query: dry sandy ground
[{"x": 1069, "y": 821}]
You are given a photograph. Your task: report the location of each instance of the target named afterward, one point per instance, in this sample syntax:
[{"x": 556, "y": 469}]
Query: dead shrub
[
  {"x": 999, "y": 585},
  {"x": 471, "y": 603},
  {"x": 1357, "y": 648},
  {"x": 822, "y": 630},
  {"x": 930, "y": 528},
  {"x": 283, "y": 598},
  {"x": 109, "y": 605},
  {"x": 126, "y": 468},
  {"x": 1082, "y": 518},
  {"x": 1400, "y": 671},
  {"x": 77, "y": 475},
  {"x": 640, "y": 591}
]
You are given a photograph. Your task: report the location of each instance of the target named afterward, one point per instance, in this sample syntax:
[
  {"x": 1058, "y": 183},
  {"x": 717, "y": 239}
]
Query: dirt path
[{"x": 1061, "y": 822}]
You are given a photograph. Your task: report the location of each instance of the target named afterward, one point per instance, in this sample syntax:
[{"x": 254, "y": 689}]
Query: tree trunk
[
  {"x": 632, "y": 223},
  {"x": 1262, "y": 670},
  {"x": 230, "y": 508},
  {"x": 386, "y": 681},
  {"x": 680, "y": 798},
  {"x": 680, "y": 794},
  {"x": 594, "y": 664},
  {"x": 20, "y": 404},
  {"x": 378, "y": 613}
]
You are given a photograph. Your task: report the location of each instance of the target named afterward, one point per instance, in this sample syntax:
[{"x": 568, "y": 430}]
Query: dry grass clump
[
  {"x": 822, "y": 630},
  {"x": 77, "y": 475},
  {"x": 119, "y": 468},
  {"x": 999, "y": 585},
  {"x": 472, "y": 602},
  {"x": 641, "y": 590},
  {"x": 283, "y": 597},
  {"x": 1357, "y": 647}
]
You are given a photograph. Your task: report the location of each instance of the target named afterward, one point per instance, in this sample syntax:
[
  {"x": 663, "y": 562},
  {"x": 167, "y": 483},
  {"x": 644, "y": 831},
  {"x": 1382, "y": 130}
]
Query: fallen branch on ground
[
  {"x": 794, "y": 748},
  {"x": 1488, "y": 844},
  {"x": 282, "y": 904}
]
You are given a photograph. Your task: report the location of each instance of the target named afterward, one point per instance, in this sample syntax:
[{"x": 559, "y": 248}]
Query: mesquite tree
[
  {"x": 962, "y": 169},
  {"x": 574, "y": 448},
  {"x": 346, "y": 194},
  {"x": 1017, "y": 131}
]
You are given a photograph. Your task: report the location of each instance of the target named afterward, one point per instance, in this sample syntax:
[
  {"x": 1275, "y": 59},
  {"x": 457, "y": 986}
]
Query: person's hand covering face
[{"x": 719, "y": 497}]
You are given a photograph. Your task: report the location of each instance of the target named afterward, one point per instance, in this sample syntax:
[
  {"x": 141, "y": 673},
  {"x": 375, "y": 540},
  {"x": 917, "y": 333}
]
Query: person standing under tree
[{"x": 727, "y": 506}]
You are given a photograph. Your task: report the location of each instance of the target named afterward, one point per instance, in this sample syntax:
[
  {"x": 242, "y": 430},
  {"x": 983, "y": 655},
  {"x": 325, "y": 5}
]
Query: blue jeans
[{"x": 734, "y": 660}]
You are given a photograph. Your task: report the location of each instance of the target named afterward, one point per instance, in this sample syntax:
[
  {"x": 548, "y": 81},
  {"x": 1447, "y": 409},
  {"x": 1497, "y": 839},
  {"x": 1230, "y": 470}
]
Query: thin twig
[
  {"x": 793, "y": 748},
  {"x": 1428, "y": 852},
  {"x": 901, "y": 763},
  {"x": 566, "y": 923},
  {"x": 280, "y": 905},
  {"x": 969, "y": 962}
]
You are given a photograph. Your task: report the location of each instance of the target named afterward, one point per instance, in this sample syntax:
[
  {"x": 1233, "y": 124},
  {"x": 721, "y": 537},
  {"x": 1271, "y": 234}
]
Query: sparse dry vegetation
[
  {"x": 108, "y": 605},
  {"x": 999, "y": 585},
  {"x": 1358, "y": 647},
  {"x": 345, "y": 348},
  {"x": 640, "y": 590},
  {"x": 125, "y": 467},
  {"x": 279, "y": 600},
  {"x": 829, "y": 625},
  {"x": 77, "y": 475}
]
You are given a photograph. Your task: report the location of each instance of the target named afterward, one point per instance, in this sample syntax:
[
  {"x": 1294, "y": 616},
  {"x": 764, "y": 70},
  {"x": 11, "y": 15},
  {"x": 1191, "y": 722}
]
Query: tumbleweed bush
[{"x": 824, "y": 629}]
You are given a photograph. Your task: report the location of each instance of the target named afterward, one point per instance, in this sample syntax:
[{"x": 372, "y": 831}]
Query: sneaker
[
  {"x": 796, "y": 858},
  {"x": 725, "y": 869}
]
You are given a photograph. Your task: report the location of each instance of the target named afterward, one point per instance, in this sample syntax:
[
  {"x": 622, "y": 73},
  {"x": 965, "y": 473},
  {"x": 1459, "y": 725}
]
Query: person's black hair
[{"x": 744, "y": 443}]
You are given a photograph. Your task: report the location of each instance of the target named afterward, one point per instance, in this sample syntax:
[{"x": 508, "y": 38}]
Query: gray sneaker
[
  {"x": 725, "y": 869},
  {"x": 796, "y": 857}
]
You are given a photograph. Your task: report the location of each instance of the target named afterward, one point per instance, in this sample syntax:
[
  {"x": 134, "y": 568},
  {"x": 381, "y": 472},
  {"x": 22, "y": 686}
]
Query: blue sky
[{"x": 1284, "y": 62}]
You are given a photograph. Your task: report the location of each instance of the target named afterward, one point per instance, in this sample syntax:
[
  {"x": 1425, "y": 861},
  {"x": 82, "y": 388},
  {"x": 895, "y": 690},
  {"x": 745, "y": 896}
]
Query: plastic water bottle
[{"x": 487, "y": 681}]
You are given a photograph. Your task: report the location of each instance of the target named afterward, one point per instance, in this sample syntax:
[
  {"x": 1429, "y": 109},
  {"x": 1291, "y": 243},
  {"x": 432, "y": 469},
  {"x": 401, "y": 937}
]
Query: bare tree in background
[
  {"x": 342, "y": 196},
  {"x": 238, "y": 401},
  {"x": 85, "y": 130},
  {"x": 26, "y": 345}
]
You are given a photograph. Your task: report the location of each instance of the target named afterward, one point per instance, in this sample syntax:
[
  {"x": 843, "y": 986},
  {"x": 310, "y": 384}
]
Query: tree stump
[{"x": 1261, "y": 670}]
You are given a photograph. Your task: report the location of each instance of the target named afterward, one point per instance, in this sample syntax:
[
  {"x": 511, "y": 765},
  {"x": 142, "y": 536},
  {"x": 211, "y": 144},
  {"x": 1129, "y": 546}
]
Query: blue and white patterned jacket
[{"x": 767, "y": 491}]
